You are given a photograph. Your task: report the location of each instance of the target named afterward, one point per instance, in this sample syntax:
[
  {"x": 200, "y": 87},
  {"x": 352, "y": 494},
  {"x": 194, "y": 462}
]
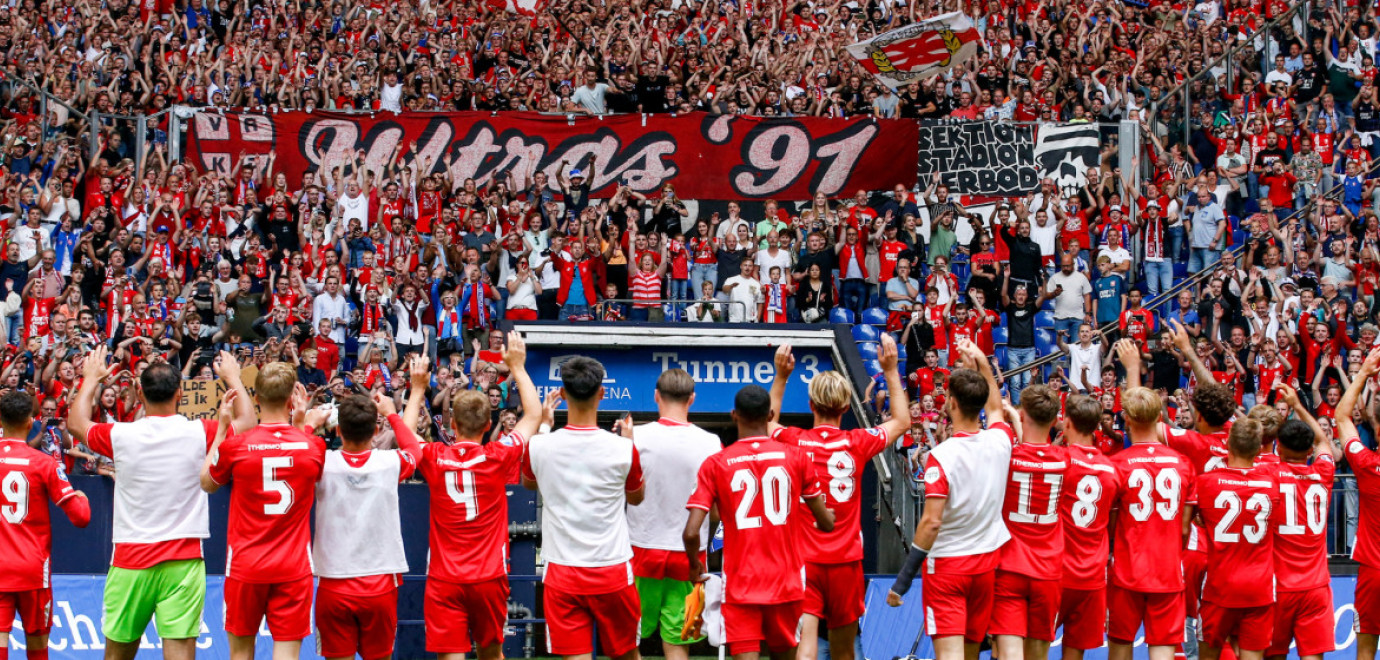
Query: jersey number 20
[{"x": 776, "y": 491}]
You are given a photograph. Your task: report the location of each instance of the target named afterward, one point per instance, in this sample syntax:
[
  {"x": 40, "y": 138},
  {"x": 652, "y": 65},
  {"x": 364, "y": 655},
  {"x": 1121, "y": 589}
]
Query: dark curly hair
[{"x": 1215, "y": 403}]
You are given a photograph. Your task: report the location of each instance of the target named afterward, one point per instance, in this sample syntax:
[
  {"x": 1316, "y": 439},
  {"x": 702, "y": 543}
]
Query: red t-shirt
[
  {"x": 1236, "y": 505},
  {"x": 29, "y": 479},
  {"x": 1153, "y": 484},
  {"x": 469, "y": 507},
  {"x": 839, "y": 458},
  {"x": 1301, "y": 530},
  {"x": 1030, "y": 511},
  {"x": 275, "y": 467},
  {"x": 756, "y": 482},
  {"x": 1366, "y": 464},
  {"x": 1206, "y": 452},
  {"x": 1085, "y": 508}
]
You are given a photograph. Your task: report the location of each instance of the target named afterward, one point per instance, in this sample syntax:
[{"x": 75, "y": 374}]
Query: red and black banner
[{"x": 705, "y": 156}]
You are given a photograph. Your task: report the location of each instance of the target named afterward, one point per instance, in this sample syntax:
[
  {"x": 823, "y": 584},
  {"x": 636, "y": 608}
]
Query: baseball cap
[{"x": 576, "y": 174}]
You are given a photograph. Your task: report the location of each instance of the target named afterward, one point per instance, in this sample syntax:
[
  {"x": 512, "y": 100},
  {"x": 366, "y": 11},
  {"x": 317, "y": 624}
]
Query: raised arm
[
  {"x": 515, "y": 356},
  {"x": 94, "y": 372},
  {"x": 1345, "y": 427}
]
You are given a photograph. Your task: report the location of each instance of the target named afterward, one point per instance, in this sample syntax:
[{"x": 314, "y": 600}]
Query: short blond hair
[
  {"x": 831, "y": 394},
  {"x": 1270, "y": 421},
  {"x": 470, "y": 412},
  {"x": 1141, "y": 405},
  {"x": 274, "y": 384}
]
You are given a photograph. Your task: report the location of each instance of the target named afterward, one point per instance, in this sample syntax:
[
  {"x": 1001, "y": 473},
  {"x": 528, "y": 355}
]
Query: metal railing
[{"x": 603, "y": 304}]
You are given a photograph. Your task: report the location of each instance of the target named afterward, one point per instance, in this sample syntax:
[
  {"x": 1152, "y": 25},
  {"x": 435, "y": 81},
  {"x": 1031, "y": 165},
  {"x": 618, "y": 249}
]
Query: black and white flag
[{"x": 1066, "y": 152}]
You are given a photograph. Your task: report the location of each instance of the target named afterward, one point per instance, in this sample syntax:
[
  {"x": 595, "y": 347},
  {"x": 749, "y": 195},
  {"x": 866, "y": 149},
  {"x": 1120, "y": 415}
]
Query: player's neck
[
  {"x": 1073, "y": 438},
  {"x": 1240, "y": 462},
  {"x": 356, "y": 447},
  {"x": 967, "y": 425},
  {"x": 1036, "y": 435},
  {"x": 165, "y": 409},
  {"x": 751, "y": 431},
  {"x": 676, "y": 412},
  {"x": 821, "y": 420},
  {"x": 269, "y": 415},
  {"x": 17, "y": 433},
  {"x": 586, "y": 415}
]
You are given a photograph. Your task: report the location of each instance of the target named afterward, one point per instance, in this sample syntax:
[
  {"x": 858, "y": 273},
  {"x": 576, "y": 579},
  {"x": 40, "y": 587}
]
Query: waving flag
[{"x": 919, "y": 50}]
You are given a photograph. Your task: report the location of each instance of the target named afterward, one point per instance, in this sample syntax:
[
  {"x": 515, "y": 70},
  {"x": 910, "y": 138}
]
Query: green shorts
[
  {"x": 173, "y": 593},
  {"x": 663, "y": 606}
]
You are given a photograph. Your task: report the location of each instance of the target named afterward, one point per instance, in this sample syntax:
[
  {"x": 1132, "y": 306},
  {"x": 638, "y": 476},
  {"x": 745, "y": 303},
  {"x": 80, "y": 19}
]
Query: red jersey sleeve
[
  {"x": 869, "y": 442},
  {"x": 809, "y": 483},
  {"x": 635, "y": 481},
  {"x": 223, "y": 460},
  {"x": 1004, "y": 428},
  {"x": 59, "y": 488},
  {"x": 98, "y": 439},
  {"x": 409, "y": 449},
  {"x": 936, "y": 482},
  {"x": 211, "y": 427},
  {"x": 703, "y": 497},
  {"x": 1358, "y": 456},
  {"x": 526, "y": 469},
  {"x": 1326, "y": 468}
]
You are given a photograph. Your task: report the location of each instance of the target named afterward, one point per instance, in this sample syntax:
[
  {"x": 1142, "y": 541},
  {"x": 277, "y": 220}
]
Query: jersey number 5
[
  {"x": 460, "y": 487},
  {"x": 15, "y": 488},
  {"x": 776, "y": 485},
  {"x": 273, "y": 485}
]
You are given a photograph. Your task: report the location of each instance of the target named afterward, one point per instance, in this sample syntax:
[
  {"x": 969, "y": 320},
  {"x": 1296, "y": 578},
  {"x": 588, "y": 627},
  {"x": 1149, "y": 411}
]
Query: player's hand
[
  {"x": 1129, "y": 354},
  {"x": 93, "y": 368},
  {"x": 227, "y": 406},
  {"x": 515, "y": 353},
  {"x": 889, "y": 357},
  {"x": 893, "y": 599},
  {"x": 1288, "y": 394},
  {"x": 419, "y": 368},
  {"x": 697, "y": 573},
  {"x": 624, "y": 426},
  {"x": 1182, "y": 341},
  {"x": 227, "y": 367},
  {"x": 316, "y": 417},
  {"x": 785, "y": 360},
  {"x": 1372, "y": 362},
  {"x": 385, "y": 404},
  {"x": 971, "y": 356},
  {"x": 548, "y": 408}
]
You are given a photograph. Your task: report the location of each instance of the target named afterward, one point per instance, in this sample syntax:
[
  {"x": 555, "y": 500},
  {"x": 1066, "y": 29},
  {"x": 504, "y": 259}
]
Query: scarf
[
  {"x": 410, "y": 310},
  {"x": 448, "y": 319},
  {"x": 372, "y": 313},
  {"x": 476, "y": 309},
  {"x": 776, "y": 298}
]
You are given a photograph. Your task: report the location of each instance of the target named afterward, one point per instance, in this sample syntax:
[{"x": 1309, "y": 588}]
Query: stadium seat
[
  {"x": 1044, "y": 319},
  {"x": 841, "y": 315},
  {"x": 999, "y": 335},
  {"x": 868, "y": 349},
  {"x": 875, "y": 316},
  {"x": 1048, "y": 306},
  {"x": 1180, "y": 269},
  {"x": 873, "y": 367},
  {"x": 1000, "y": 354},
  {"x": 866, "y": 333},
  {"x": 1044, "y": 341}
]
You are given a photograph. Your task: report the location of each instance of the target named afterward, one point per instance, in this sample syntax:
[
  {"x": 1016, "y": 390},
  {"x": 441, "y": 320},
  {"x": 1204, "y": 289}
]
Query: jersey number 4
[
  {"x": 460, "y": 487},
  {"x": 14, "y": 488},
  {"x": 776, "y": 490}
]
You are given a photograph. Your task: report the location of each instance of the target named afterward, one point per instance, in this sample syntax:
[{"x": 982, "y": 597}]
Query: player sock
[
  {"x": 37, "y": 654},
  {"x": 5, "y": 652}
]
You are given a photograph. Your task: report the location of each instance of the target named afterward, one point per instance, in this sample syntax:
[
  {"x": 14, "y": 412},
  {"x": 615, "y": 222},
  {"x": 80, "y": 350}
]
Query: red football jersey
[
  {"x": 1301, "y": 532},
  {"x": 469, "y": 507},
  {"x": 839, "y": 458},
  {"x": 1206, "y": 452},
  {"x": 756, "y": 482},
  {"x": 29, "y": 479},
  {"x": 1366, "y": 464},
  {"x": 1236, "y": 506},
  {"x": 1030, "y": 510},
  {"x": 275, "y": 468},
  {"x": 1085, "y": 508},
  {"x": 1153, "y": 484}
]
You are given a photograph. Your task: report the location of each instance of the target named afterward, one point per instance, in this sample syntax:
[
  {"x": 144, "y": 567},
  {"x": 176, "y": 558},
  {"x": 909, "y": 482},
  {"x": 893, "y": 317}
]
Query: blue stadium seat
[
  {"x": 873, "y": 367},
  {"x": 999, "y": 335},
  {"x": 1048, "y": 306},
  {"x": 841, "y": 315},
  {"x": 901, "y": 354},
  {"x": 868, "y": 349},
  {"x": 1044, "y": 341},
  {"x": 1000, "y": 353},
  {"x": 875, "y": 316},
  {"x": 1180, "y": 269},
  {"x": 1044, "y": 319},
  {"x": 1234, "y": 222},
  {"x": 866, "y": 333}
]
